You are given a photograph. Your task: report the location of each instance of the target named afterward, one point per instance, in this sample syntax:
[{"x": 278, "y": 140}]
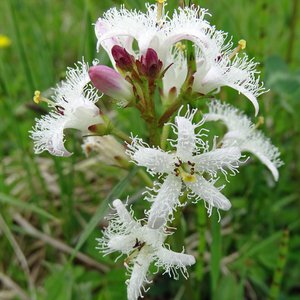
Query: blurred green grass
[{"x": 49, "y": 35}]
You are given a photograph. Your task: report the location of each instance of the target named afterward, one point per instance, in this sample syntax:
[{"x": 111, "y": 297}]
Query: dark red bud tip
[
  {"x": 123, "y": 59},
  {"x": 151, "y": 65}
]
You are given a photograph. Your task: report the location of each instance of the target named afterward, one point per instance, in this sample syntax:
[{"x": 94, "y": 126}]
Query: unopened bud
[
  {"x": 150, "y": 64},
  {"x": 110, "y": 82},
  {"x": 123, "y": 59}
]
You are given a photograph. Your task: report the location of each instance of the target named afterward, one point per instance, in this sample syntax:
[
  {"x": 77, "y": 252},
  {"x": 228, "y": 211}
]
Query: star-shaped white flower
[
  {"x": 143, "y": 245},
  {"x": 243, "y": 134},
  {"x": 73, "y": 106},
  {"x": 190, "y": 165},
  {"x": 221, "y": 68}
]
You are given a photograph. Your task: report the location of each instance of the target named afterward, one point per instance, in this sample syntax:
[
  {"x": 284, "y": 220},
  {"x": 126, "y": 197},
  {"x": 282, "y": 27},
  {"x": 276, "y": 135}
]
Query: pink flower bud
[
  {"x": 110, "y": 82},
  {"x": 123, "y": 59},
  {"x": 150, "y": 64}
]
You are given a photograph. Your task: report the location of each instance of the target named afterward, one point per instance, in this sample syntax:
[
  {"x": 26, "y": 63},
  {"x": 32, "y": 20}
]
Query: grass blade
[
  {"x": 102, "y": 209},
  {"x": 26, "y": 206}
]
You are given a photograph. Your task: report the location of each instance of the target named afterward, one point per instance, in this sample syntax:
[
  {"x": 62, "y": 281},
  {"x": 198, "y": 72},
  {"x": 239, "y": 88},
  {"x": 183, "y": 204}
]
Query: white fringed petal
[
  {"x": 172, "y": 261},
  {"x": 135, "y": 285},
  {"x": 186, "y": 142},
  {"x": 154, "y": 159},
  {"x": 124, "y": 216},
  {"x": 166, "y": 200},
  {"x": 218, "y": 159},
  {"x": 48, "y": 134},
  {"x": 242, "y": 133},
  {"x": 203, "y": 189},
  {"x": 122, "y": 243},
  {"x": 259, "y": 145},
  {"x": 176, "y": 73}
]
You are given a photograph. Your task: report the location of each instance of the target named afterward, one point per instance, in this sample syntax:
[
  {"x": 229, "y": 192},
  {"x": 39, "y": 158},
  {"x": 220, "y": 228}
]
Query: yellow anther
[
  {"x": 4, "y": 41},
  {"x": 160, "y": 1},
  {"x": 242, "y": 44},
  {"x": 186, "y": 177},
  {"x": 37, "y": 97},
  {"x": 180, "y": 46}
]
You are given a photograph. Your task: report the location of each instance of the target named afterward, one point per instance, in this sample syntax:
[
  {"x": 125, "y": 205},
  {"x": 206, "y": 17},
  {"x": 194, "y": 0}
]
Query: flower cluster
[{"x": 156, "y": 71}]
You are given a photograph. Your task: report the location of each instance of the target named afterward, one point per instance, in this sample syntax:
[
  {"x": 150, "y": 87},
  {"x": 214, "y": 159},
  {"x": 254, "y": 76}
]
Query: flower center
[
  {"x": 135, "y": 251},
  {"x": 186, "y": 171}
]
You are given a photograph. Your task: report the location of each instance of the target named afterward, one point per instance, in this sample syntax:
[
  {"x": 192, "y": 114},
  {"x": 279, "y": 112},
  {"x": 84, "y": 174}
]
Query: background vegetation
[{"x": 47, "y": 238}]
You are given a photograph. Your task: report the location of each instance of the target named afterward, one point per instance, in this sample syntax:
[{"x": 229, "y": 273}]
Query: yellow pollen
[
  {"x": 4, "y": 41},
  {"x": 180, "y": 46},
  {"x": 241, "y": 46},
  {"x": 37, "y": 97},
  {"x": 160, "y": 1},
  {"x": 186, "y": 177}
]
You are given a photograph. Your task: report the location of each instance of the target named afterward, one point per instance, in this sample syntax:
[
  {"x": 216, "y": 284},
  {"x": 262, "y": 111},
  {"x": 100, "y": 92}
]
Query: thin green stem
[
  {"x": 215, "y": 253},
  {"x": 120, "y": 134},
  {"x": 281, "y": 261}
]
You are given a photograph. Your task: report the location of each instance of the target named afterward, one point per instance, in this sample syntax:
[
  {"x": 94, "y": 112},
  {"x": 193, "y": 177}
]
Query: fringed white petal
[
  {"x": 165, "y": 202},
  {"x": 203, "y": 189},
  {"x": 154, "y": 159},
  {"x": 122, "y": 243},
  {"x": 124, "y": 25},
  {"x": 172, "y": 262},
  {"x": 259, "y": 145},
  {"x": 177, "y": 72},
  {"x": 187, "y": 138},
  {"x": 219, "y": 159},
  {"x": 242, "y": 133},
  {"x": 125, "y": 217},
  {"x": 138, "y": 277},
  {"x": 48, "y": 134},
  {"x": 217, "y": 71}
]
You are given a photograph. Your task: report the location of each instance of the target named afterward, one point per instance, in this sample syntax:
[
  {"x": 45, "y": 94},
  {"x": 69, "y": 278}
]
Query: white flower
[
  {"x": 217, "y": 63},
  {"x": 218, "y": 67},
  {"x": 73, "y": 106},
  {"x": 121, "y": 27},
  {"x": 243, "y": 134},
  {"x": 142, "y": 245},
  {"x": 188, "y": 165}
]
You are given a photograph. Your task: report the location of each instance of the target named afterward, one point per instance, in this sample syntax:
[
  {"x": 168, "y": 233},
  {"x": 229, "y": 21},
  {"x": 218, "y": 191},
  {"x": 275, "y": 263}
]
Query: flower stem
[
  {"x": 215, "y": 253},
  {"x": 120, "y": 134}
]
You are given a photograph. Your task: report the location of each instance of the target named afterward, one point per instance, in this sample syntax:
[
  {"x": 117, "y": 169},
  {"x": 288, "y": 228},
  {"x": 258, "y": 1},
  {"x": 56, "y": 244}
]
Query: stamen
[
  {"x": 180, "y": 46},
  {"x": 37, "y": 98},
  {"x": 160, "y": 9},
  {"x": 260, "y": 122},
  {"x": 241, "y": 46}
]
